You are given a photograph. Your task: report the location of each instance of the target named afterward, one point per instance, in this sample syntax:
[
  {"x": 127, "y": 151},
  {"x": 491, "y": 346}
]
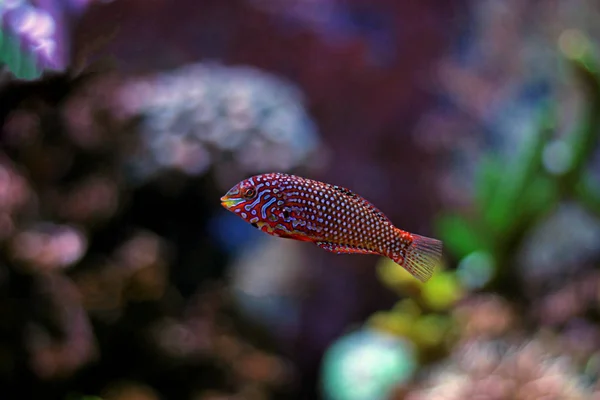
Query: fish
[{"x": 332, "y": 217}]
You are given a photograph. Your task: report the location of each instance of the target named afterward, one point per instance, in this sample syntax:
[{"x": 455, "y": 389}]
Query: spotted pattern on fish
[{"x": 333, "y": 217}]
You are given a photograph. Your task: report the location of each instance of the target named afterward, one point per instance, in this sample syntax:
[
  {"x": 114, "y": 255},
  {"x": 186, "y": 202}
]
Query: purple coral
[{"x": 28, "y": 44}]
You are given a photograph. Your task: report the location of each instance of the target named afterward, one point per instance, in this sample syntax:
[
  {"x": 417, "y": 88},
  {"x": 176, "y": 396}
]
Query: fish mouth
[{"x": 229, "y": 202}]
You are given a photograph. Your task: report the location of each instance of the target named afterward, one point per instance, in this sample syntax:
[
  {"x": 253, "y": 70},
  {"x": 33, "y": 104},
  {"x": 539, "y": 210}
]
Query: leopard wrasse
[{"x": 332, "y": 217}]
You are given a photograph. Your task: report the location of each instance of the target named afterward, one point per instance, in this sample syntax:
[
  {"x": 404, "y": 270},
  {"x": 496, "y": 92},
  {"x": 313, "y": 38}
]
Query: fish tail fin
[{"x": 421, "y": 256}]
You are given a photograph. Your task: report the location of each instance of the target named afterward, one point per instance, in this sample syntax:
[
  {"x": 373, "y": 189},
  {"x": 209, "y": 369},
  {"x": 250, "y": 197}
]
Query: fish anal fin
[{"x": 343, "y": 249}]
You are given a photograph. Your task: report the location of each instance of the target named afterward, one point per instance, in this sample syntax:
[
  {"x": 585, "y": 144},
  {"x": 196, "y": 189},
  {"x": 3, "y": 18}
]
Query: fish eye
[{"x": 248, "y": 193}]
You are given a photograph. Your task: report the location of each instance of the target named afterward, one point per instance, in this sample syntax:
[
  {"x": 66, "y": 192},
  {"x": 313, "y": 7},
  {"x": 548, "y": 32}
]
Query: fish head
[
  {"x": 238, "y": 196},
  {"x": 260, "y": 201}
]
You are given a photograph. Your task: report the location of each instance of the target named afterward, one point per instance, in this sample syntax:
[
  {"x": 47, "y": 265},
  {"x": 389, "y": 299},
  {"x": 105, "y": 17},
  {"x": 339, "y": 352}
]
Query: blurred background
[{"x": 124, "y": 121}]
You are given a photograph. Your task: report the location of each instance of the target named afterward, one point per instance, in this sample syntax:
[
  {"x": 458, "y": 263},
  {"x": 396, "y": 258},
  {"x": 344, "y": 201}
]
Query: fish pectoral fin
[{"x": 343, "y": 249}]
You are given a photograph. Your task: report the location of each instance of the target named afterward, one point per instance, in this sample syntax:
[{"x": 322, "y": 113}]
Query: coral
[
  {"x": 366, "y": 365},
  {"x": 96, "y": 276},
  {"x": 502, "y": 370},
  {"x": 204, "y": 115},
  {"x": 27, "y": 41}
]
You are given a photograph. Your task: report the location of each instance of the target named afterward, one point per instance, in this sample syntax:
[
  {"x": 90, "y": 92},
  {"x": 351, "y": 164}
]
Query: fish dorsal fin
[{"x": 364, "y": 202}]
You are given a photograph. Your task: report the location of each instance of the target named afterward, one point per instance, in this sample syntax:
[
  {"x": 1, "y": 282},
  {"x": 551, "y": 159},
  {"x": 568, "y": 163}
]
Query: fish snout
[{"x": 229, "y": 202}]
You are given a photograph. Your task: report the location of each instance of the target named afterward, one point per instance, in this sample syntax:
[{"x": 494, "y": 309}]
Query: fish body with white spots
[{"x": 332, "y": 217}]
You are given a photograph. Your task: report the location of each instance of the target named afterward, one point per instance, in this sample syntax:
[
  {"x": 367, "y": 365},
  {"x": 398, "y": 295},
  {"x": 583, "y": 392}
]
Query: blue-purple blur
[{"x": 123, "y": 123}]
